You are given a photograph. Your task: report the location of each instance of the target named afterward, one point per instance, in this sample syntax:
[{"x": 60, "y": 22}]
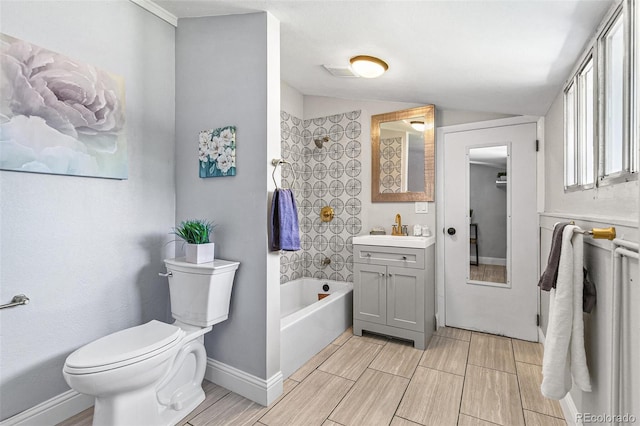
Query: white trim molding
[
  {"x": 52, "y": 411},
  {"x": 160, "y": 12},
  {"x": 70, "y": 403},
  {"x": 493, "y": 261},
  {"x": 541, "y": 338},
  {"x": 262, "y": 391},
  {"x": 569, "y": 410}
]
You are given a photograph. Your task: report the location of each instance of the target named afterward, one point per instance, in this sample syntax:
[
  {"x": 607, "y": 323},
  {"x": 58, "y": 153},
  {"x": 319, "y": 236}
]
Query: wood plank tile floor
[
  {"x": 462, "y": 378},
  {"x": 491, "y": 273}
]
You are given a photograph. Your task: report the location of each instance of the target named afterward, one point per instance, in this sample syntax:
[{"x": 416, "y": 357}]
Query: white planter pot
[{"x": 199, "y": 253}]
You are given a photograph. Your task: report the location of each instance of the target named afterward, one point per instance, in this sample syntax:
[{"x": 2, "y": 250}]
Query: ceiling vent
[{"x": 337, "y": 71}]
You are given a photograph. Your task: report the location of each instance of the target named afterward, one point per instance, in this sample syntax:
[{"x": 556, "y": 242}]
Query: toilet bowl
[{"x": 152, "y": 374}]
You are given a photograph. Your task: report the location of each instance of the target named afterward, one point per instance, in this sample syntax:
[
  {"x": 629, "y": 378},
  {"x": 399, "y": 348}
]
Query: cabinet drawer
[{"x": 390, "y": 256}]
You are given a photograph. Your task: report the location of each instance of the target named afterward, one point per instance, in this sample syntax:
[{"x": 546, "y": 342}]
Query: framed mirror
[
  {"x": 403, "y": 155},
  {"x": 488, "y": 193}
]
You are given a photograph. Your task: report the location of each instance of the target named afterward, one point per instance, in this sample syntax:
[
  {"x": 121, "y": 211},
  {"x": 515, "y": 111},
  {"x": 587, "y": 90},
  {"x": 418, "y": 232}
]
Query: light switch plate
[{"x": 421, "y": 207}]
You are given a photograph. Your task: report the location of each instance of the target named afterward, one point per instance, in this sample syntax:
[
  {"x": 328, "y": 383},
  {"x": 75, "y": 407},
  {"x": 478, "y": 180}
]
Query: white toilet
[{"x": 152, "y": 374}]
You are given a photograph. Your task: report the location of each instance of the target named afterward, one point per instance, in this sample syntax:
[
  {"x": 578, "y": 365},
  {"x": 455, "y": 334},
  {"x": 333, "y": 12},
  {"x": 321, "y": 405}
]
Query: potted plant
[{"x": 195, "y": 234}]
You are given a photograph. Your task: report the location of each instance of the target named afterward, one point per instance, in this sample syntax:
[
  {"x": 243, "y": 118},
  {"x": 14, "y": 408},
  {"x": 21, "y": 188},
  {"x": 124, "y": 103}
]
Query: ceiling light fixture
[
  {"x": 368, "y": 66},
  {"x": 418, "y": 125}
]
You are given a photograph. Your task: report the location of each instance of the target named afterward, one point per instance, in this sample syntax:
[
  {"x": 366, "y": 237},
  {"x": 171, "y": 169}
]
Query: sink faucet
[{"x": 396, "y": 228}]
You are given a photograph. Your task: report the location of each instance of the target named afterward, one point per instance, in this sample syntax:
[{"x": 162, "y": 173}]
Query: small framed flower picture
[{"x": 217, "y": 152}]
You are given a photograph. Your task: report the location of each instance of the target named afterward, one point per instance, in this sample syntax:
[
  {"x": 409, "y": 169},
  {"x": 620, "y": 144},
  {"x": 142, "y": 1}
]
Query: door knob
[{"x": 451, "y": 231}]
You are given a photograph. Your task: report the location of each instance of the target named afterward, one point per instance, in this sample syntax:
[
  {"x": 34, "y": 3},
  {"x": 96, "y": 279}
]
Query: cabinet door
[
  {"x": 370, "y": 293},
  {"x": 405, "y": 298}
]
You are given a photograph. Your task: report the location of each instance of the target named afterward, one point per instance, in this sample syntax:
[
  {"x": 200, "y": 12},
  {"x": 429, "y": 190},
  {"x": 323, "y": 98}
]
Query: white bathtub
[{"x": 307, "y": 324}]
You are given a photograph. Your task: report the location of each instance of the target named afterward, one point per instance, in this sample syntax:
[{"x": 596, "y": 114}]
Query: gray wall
[
  {"x": 227, "y": 73},
  {"x": 87, "y": 251},
  {"x": 597, "y": 325},
  {"x": 489, "y": 204},
  {"x": 291, "y": 100},
  {"x": 611, "y": 205}
]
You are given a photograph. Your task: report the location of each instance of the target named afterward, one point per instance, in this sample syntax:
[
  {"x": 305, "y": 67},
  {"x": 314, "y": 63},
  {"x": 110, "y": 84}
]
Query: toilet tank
[{"x": 200, "y": 293}]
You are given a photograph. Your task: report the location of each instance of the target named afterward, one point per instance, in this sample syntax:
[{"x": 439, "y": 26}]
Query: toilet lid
[{"x": 125, "y": 345}]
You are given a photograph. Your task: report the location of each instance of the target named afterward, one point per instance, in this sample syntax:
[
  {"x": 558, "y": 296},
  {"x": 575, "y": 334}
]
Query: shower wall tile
[{"x": 324, "y": 176}]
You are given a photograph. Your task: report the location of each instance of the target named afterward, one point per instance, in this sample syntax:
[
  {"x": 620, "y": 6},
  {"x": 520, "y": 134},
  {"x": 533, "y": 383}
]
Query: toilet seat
[{"x": 124, "y": 348}]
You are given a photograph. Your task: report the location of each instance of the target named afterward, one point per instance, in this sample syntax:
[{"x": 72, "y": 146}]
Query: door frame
[{"x": 440, "y": 195}]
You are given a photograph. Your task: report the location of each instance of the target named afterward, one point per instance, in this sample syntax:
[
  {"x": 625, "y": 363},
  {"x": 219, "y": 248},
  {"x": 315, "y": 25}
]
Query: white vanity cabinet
[{"x": 394, "y": 291}]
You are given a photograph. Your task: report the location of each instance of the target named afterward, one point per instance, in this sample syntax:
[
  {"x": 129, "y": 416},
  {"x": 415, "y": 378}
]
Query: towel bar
[
  {"x": 18, "y": 300},
  {"x": 599, "y": 233},
  {"x": 275, "y": 163}
]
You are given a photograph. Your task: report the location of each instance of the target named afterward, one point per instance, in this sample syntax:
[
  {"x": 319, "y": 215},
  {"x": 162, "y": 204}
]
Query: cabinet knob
[
  {"x": 368, "y": 254},
  {"x": 390, "y": 275},
  {"x": 404, "y": 257},
  {"x": 380, "y": 274}
]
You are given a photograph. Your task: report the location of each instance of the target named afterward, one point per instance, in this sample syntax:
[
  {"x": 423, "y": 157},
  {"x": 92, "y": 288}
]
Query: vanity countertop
[{"x": 395, "y": 241}]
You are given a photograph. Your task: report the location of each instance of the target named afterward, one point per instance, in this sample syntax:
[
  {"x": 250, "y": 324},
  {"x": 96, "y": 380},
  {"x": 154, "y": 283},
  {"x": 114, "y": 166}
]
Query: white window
[
  {"x": 586, "y": 129},
  {"x": 570, "y": 137},
  {"x": 579, "y": 128},
  {"x": 613, "y": 75},
  {"x": 598, "y": 146}
]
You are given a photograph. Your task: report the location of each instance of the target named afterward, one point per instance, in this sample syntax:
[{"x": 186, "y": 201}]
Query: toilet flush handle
[{"x": 167, "y": 274}]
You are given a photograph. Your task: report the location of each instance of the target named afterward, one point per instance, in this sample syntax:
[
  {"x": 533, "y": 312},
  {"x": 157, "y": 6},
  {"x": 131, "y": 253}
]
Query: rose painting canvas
[
  {"x": 59, "y": 115},
  {"x": 217, "y": 152}
]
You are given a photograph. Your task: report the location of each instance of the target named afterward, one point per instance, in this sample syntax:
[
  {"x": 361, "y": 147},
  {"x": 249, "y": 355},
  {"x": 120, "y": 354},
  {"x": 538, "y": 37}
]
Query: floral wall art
[
  {"x": 59, "y": 115},
  {"x": 217, "y": 152}
]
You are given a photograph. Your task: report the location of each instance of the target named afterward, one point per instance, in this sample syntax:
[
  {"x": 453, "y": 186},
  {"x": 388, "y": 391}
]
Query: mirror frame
[{"x": 428, "y": 113}]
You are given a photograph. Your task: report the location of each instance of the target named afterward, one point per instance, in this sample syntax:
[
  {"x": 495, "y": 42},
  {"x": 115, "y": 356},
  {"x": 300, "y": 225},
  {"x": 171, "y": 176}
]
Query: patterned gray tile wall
[
  {"x": 325, "y": 176},
  {"x": 391, "y": 165}
]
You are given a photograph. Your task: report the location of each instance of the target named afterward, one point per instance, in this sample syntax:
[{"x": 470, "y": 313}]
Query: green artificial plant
[{"x": 194, "y": 231}]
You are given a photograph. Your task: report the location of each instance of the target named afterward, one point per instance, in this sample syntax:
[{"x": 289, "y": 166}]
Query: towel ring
[{"x": 276, "y": 162}]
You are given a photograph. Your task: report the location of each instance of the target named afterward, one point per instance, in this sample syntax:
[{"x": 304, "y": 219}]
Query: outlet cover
[{"x": 421, "y": 207}]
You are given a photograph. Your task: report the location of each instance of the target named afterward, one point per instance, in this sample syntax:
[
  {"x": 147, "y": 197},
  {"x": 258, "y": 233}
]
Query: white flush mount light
[
  {"x": 418, "y": 125},
  {"x": 368, "y": 66}
]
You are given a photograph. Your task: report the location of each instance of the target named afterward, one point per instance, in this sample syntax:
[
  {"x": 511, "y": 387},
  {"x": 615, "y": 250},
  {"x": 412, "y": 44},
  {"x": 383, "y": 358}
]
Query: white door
[{"x": 499, "y": 295}]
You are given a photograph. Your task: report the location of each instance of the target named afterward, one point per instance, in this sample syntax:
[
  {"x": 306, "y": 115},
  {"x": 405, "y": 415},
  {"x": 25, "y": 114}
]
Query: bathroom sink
[{"x": 394, "y": 241}]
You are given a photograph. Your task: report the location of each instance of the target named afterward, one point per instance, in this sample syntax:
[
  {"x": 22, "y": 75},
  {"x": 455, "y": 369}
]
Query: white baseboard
[
  {"x": 259, "y": 390},
  {"x": 70, "y": 403},
  {"x": 492, "y": 261},
  {"x": 52, "y": 411},
  {"x": 569, "y": 409}
]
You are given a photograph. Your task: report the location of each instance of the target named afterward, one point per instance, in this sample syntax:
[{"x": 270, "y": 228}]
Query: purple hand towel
[
  {"x": 550, "y": 274},
  {"x": 274, "y": 223},
  {"x": 285, "y": 234}
]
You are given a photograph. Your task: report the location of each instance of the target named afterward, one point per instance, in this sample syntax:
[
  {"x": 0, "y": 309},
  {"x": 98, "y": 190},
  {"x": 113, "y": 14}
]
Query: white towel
[{"x": 564, "y": 354}]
